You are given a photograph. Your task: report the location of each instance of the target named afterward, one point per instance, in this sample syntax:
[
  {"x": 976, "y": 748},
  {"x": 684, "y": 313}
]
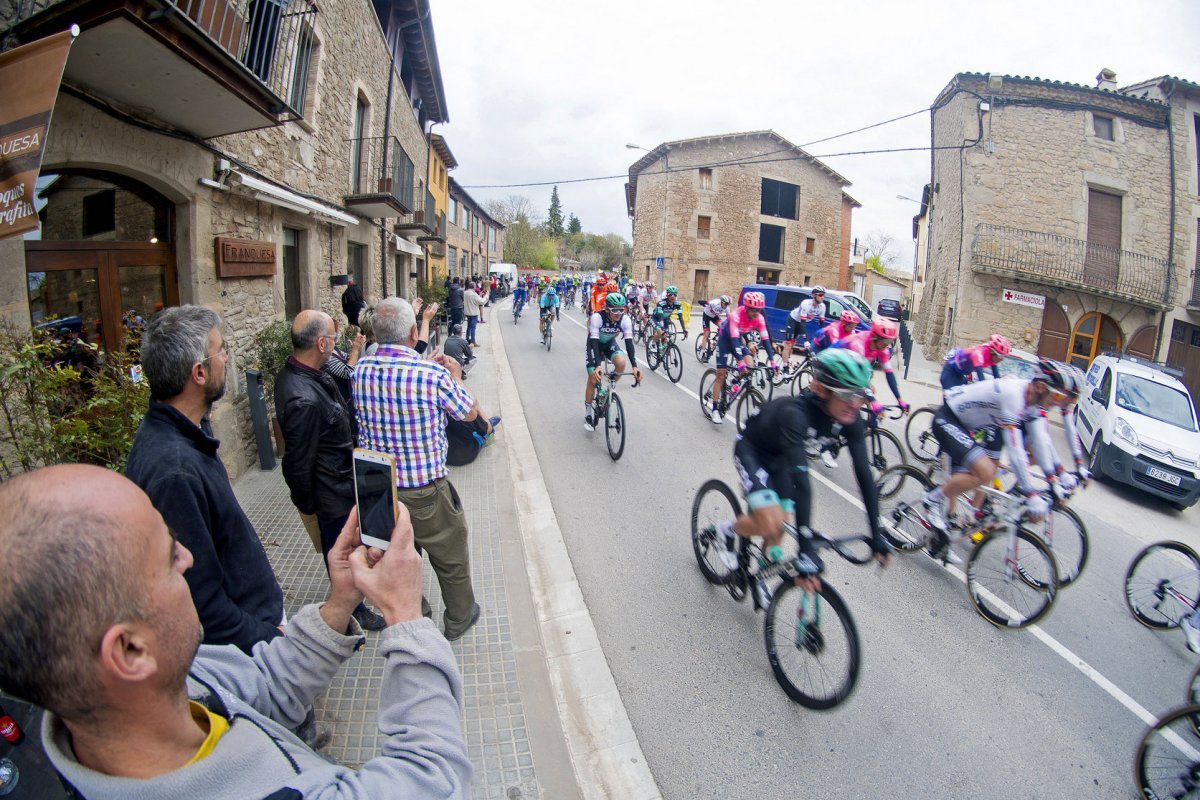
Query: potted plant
[{"x": 272, "y": 346}]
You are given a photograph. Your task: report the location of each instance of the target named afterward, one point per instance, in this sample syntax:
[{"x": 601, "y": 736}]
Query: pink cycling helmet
[
  {"x": 754, "y": 300},
  {"x": 884, "y": 328},
  {"x": 849, "y": 318},
  {"x": 1001, "y": 345}
]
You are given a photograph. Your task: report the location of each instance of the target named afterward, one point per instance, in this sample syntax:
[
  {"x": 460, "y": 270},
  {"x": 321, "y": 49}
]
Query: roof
[
  {"x": 1162, "y": 80},
  {"x": 438, "y": 143},
  {"x": 1115, "y": 94},
  {"x": 457, "y": 190},
  {"x": 854, "y": 203},
  {"x": 419, "y": 44}
]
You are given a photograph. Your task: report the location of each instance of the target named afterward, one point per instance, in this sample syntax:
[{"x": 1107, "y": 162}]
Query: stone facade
[
  {"x": 668, "y": 194},
  {"x": 475, "y": 239},
  {"x": 1027, "y": 164}
]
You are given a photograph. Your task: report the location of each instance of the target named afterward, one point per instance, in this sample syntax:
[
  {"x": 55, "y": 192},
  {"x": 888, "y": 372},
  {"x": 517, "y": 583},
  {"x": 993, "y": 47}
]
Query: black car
[{"x": 888, "y": 308}]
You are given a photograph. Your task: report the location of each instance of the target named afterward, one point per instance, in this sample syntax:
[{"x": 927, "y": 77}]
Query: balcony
[
  {"x": 204, "y": 67},
  {"x": 1071, "y": 264},
  {"x": 423, "y": 219},
  {"x": 382, "y": 180},
  {"x": 1194, "y": 301},
  {"x": 437, "y": 248}
]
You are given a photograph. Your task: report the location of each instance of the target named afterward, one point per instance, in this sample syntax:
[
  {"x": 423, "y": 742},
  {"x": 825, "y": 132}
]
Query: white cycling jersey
[
  {"x": 808, "y": 310},
  {"x": 715, "y": 309},
  {"x": 1001, "y": 404}
]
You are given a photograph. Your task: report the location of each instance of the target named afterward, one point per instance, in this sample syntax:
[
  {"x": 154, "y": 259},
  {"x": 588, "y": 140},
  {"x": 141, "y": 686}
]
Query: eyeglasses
[
  {"x": 848, "y": 395},
  {"x": 223, "y": 350}
]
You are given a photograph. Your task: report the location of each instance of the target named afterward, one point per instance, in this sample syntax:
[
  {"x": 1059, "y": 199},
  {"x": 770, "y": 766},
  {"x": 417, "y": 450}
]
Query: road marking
[{"x": 1057, "y": 647}]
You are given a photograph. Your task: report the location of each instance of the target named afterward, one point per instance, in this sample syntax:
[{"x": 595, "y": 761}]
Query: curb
[{"x": 605, "y": 752}]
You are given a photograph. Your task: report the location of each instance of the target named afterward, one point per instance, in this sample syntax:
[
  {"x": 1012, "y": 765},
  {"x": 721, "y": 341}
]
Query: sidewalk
[{"x": 513, "y": 730}]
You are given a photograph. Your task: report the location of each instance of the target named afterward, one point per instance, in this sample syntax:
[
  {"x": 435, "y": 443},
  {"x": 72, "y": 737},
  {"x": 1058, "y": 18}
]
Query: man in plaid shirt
[{"x": 401, "y": 402}]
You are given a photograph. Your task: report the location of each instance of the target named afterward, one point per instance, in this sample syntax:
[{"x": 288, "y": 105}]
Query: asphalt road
[{"x": 946, "y": 705}]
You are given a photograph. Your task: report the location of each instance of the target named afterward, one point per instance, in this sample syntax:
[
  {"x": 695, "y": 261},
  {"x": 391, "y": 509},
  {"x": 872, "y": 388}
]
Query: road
[{"x": 946, "y": 705}]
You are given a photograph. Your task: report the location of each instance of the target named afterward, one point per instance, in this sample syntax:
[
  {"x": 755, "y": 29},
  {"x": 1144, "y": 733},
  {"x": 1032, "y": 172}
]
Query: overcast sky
[{"x": 552, "y": 90}]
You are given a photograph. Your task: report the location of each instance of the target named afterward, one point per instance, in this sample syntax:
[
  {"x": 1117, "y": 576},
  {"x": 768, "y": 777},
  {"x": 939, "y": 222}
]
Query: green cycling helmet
[
  {"x": 615, "y": 300},
  {"x": 672, "y": 290},
  {"x": 842, "y": 369}
]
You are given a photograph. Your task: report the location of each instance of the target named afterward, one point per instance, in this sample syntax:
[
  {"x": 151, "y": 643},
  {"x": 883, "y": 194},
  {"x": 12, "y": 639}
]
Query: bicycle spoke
[{"x": 812, "y": 644}]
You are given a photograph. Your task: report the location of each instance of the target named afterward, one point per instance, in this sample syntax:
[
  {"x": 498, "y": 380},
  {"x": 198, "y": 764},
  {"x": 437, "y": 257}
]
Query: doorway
[
  {"x": 1094, "y": 333},
  {"x": 700, "y": 286}
]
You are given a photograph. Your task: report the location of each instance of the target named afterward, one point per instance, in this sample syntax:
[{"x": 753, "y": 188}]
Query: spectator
[
  {"x": 174, "y": 460},
  {"x": 318, "y": 435},
  {"x": 426, "y": 318},
  {"x": 474, "y": 309},
  {"x": 135, "y": 707},
  {"x": 340, "y": 365},
  {"x": 352, "y": 302},
  {"x": 402, "y": 403},
  {"x": 494, "y": 285},
  {"x": 454, "y": 302},
  {"x": 458, "y": 348},
  {"x": 368, "y": 331}
]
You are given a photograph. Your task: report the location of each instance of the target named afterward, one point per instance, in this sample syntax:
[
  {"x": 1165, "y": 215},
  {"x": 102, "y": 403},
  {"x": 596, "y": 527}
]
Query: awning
[
  {"x": 278, "y": 196},
  {"x": 408, "y": 247}
]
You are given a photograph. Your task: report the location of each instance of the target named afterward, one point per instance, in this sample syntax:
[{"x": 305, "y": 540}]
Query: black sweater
[{"x": 232, "y": 583}]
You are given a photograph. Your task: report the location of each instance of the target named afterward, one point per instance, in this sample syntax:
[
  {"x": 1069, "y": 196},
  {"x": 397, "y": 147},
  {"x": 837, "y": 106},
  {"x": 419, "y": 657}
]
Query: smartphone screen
[{"x": 376, "y": 509}]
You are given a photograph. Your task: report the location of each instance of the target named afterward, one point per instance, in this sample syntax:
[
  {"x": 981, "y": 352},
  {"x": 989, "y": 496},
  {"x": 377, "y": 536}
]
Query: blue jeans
[{"x": 472, "y": 321}]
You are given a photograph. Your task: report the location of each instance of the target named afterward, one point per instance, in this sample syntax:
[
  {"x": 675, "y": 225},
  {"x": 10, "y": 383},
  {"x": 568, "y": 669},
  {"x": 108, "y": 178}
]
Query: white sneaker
[
  {"x": 588, "y": 423},
  {"x": 935, "y": 513},
  {"x": 1191, "y": 630},
  {"x": 762, "y": 594},
  {"x": 716, "y": 417},
  {"x": 727, "y": 542},
  {"x": 828, "y": 460}
]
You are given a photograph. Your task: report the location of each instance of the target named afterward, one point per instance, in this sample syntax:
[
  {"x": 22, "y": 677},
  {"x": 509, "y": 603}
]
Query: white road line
[{"x": 1055, "y": 646}]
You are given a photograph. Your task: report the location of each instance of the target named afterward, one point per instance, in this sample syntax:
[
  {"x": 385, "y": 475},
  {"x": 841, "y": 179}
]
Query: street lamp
[
  {"x": 903, "y": 197},
  {"x": 666, "y": 198}
]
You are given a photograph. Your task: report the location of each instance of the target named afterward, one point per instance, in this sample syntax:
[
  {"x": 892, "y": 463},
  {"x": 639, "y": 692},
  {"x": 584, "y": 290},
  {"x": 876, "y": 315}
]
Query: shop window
[{"x": 1094, "y": 334}]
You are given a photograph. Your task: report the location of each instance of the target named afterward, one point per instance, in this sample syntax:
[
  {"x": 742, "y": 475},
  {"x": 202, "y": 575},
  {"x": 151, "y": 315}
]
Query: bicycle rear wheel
[
  {"x": 614, "y": 427},
  {"x": 1012, "y": 595},
  {"x": 673, "y": 360},
  {"x": 702, "y": 354},
  {"x": 1064, "y": 533},
  {"x": 1167, "y": 763},
  {"x": 900, "y": 489},
  {"x": 1161, "y": 581},
  {"x": 706, "y": 386},
  {"x": 802, "y": 380},
  {"x": 918, "y": 435},
  {"x": 653, "y": 357},
  {"x": 812, "y": 644},
  {"x": 549, "y": 335},
  {"x": 884, "y": 449},
  {"x": 747, "y": 406},
  {"x": 715, "y": 503}
]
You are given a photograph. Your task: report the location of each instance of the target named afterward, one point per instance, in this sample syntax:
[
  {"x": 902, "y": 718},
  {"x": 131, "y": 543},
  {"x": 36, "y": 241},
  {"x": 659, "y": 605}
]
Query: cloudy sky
[{"x": 552, "y": 90}]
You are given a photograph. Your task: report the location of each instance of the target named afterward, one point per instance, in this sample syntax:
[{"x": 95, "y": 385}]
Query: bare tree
[
  {"x": 512, "y": 208},
  {"x": 882, "y": 244}
]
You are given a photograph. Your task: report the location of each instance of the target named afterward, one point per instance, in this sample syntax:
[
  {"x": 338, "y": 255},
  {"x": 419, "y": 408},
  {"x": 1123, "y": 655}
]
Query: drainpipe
[
  {"x": 387, "y": 132},
  {"x": 1162, "y": 316}
]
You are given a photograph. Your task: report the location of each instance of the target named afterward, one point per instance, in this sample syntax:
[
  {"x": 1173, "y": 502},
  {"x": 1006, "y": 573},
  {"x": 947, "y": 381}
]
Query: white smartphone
[{"x": 375, "y": 494}]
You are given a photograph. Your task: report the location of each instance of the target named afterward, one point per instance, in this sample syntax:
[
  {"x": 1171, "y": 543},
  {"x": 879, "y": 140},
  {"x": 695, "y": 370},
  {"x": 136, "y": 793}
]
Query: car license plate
[{"x": 1163, "y": 475}]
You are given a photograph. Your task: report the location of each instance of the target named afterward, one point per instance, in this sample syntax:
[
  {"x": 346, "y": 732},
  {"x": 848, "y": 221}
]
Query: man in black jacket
[
  {"x": 352, "y": 302},
  {"x": 174, "y": 460},
  {"x": 318, "y": 460},
  {"x": 455, "y": 302}
]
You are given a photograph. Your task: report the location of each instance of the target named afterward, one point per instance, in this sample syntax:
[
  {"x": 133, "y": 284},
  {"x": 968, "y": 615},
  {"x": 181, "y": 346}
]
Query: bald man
[
  {"x": 132, "y": 697},
  {"x": 318, "y": 435}
]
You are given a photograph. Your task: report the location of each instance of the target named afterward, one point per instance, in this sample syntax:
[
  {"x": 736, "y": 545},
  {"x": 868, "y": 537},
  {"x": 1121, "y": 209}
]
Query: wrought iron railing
[
  {"x": 379, "y": 166},
  {"x": 1071, "y": 263},
  {"x": 424, "y": 213},
  {"x": 271, "y": 39}
]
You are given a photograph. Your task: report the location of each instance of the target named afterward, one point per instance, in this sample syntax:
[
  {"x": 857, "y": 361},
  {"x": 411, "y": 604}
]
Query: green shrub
[{"x": 272, "y": 346}]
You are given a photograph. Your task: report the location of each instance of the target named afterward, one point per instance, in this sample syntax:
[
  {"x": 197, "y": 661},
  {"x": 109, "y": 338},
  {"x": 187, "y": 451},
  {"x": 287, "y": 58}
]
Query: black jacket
[
  {"x": 232, "y": 583},
  {"x": 455, "y": 298},
  {"x": 318, "y": 455},
  {"x": 352, "y": 302}
]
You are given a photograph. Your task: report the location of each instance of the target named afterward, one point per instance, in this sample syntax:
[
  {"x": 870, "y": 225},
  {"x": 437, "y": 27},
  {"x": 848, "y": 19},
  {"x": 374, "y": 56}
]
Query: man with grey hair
[
  {"x": 402, "y": 402},
  {"x": 174, "y": 460}
]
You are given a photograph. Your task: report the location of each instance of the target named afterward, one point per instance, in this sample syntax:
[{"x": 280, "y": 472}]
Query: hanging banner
[{"x": 29, "y": 78}]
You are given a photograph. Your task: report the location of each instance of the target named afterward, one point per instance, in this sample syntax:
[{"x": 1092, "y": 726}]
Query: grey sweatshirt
[{"x": 266, "y": 693}]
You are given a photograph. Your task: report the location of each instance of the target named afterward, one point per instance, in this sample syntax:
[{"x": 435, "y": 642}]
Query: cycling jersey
[
  {"x": 597, "y": 299},
  {"x": 663, "y": 311},
  {"x": 808, "y": 310},
  {"x": 989, "y": 407},
  {"x": 715, "y": 309},
  {"x": 830, "y": 335},
  {"x": 861, "y": 343},
  {"x": 548, "y": 301},
  {"x": 964, "y": 363},
  {"x": 729, "y": 335},
  {"x": 603, "y": 334},
  {"x": 772, "y": 460}
]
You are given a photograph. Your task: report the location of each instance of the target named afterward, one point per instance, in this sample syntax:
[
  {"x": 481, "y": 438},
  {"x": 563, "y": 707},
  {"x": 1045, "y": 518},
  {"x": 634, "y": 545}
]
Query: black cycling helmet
[{"x": 1058, "y": 376}]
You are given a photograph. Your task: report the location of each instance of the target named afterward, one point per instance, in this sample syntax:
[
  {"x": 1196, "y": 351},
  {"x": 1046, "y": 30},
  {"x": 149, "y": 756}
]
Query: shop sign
[
  {"x": 1023, "y": 298},
  {"x": 244, "y": 258}
]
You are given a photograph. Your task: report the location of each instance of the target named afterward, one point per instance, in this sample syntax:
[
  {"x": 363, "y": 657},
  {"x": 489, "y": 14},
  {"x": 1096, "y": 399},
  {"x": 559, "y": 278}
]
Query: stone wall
[{"x": 730, "y": 254}]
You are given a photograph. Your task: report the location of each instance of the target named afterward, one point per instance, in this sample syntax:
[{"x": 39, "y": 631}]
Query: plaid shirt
[{"x": 401, "y": 401}]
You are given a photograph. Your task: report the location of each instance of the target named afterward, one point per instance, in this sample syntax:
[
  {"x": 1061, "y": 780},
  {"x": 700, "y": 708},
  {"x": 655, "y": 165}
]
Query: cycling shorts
[
  {"x": 795, "y": 330},
  {"x": 709, "y": 320},
  {"x": 609, "y": 350},
  {"x": 761, "y": 477},
  {"x": 958, "y": 443}
]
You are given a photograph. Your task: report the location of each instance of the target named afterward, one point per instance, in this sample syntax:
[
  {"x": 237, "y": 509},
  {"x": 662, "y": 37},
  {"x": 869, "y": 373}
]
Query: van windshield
[
  {"x": 860, "y": 307},
  {"x": 1156, "y": 401}
]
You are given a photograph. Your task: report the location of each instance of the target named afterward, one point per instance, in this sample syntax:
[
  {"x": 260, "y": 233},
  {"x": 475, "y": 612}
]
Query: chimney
[{"x": 1107, "y": 80}]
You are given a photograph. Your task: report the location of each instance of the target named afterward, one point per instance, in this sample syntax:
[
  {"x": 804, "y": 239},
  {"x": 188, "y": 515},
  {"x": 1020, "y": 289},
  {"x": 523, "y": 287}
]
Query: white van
[{"x": 504, "y": 271}]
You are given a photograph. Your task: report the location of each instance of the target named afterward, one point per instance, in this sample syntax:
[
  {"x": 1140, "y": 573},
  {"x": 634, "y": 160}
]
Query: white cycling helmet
[{"x": 818, "y": 289}]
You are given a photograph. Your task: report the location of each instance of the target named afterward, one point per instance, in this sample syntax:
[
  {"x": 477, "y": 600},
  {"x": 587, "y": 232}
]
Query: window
[
  {"x": 1178, "y": 332},
  {"x": 357, "y": 167},
  {"x": 705, "y": 178},
  {"x": 768, "y": 276},
  {"x": 291, "y": 272},
  {"x": 453, "y": 211},
  {"x": 785, "y": 301},
  {"x": 1195, "y": 337},
  {"x": 100, "y": 212},
  {"x": 1102, "y": 127},
  {"x": 1196, "y": 138},
  {"x": 779, "y": 199},
  {"x": 355, "y": 261},
  {"x": 770, "y": 243},
  {"x": 703, "y": 226},
  {"x": 452, "y": 259},
  {"x": 807, "y": 279},
  {"x": 810, "y": 245},
  {"x": 301, "y": 70}
]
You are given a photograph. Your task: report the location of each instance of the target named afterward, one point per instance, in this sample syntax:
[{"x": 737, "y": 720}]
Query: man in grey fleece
[{"x": 137, "y": 708}]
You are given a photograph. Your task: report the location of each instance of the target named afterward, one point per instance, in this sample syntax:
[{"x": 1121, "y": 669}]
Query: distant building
[
  {"x": 474, "y": 241},
  {"x": 732, "y": 209}
]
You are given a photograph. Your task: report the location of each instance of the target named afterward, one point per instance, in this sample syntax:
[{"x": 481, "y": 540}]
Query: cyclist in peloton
[
  {"x": 714, "y": 310},
  {"x": 661, "y": 315},
  {"x": 519, "y": 295},
  {"x": 771, "y": 460},
  {"x": 835, "y": 331},
  {"x": 604, "y": 328},
  {"x": 996, "y": 410},
  {"x": 746, "y": 318},
  {"x": 875, "y": 345},
  {"x": 599, "y": 294},
  {"x": 966, "y": 363},
  {"x": 804, "y": 321},
  {"x": 547, "y": 305}
]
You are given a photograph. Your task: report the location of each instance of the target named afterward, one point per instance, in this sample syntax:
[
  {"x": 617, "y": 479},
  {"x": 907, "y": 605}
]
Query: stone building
[
  {"x": 1050, "y": 218},
  {"x": 474, "y": 240},
  {"x": 238, "y": 154},
  {"x": 739, "y": 208}
]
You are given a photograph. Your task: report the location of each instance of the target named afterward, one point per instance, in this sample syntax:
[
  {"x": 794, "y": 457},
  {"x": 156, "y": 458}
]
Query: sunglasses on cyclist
[{"x": 848, "y": 395}]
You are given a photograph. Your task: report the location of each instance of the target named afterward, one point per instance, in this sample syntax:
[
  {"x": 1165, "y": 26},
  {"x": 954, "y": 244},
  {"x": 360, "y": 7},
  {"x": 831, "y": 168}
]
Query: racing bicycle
[
  {"x": 547, "y": 329},
  {"x": 1162, "y": 586},
  {"x": 664, "y": 352},
  {"x": 609, "y": 407},
  {"x": 1167, "y": 763},
  {"x": 738, "y": 393}
]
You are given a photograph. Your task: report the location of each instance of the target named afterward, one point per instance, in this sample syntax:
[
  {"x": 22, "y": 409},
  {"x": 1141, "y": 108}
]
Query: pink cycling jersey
[
  {"x": 832, "y": 332},
  {"x": 739, "y": 323},
  {"x": 861, "y": 343}
]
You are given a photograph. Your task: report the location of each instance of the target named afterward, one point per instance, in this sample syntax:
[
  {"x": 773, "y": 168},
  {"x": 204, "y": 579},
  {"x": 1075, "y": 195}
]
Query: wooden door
[
  {"x": 1056, "y": 332},
  {"x": 1184, "y": 354},
  {"x": 700, "y": 286},
  {"x": 1141, "y": 344},
  {"x": 1100, "y": 265},
  {"x": 1094, "y": 333}
]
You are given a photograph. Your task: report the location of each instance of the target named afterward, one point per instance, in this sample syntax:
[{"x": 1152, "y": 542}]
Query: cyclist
[
  {"x": 661, "y": 315},
  {"x": 599, "y": 295},
  {"x": 996, "y": 411},
  {"x": 966, "y": 363},
  {"x": 547, "y": 305},
  {"x": 714, "y": 310},
  {"x": 835, "y": 331},
  {"x": 745, "y": 319},
  {"x": 875, "y": 345},
  {"x": 804, "y": 321},
  {"x": 603, "y": 329},
  {"x": 771, "y": 459},
  {"x": 519, "y": 295}
]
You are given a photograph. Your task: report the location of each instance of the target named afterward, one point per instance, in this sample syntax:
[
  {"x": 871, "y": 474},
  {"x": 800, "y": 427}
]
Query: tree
[
  {"x": 874, "y": 263},
  {"x": 882, "y": 244},
  {"x": 554, "y": 219},
  {"x": 574, "y": 225}
]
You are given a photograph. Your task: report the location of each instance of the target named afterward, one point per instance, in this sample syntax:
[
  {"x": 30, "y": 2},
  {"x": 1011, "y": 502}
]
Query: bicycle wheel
[
  {"x": 1064, "y": 533},
  {"x": 785, "y": 374},
  {"x": 885, "y": 449},
  {"x": 614, "y": 427},
  {"x": 1012, "y": 595},
  {"x": 918, "y": 435},
  {"x": 715, "y": 503},
  {"x": 1163, "y": 584},
  {"x": 812, "y": 644},
  {"x": 1167, "y": 763},
  {"x": 802, "y": 380},
  {"x": 653, "y": 357},
  {"x": 549, "y": 335},
  {"x": 747, "y": 406},
  {"x": 900, "y": 489},
  {"x": 706, "y": 387},
  {"x": 760, "y": 379},
  {"x": 701, "y": 350},
  {"x": 673, "y": 360}
]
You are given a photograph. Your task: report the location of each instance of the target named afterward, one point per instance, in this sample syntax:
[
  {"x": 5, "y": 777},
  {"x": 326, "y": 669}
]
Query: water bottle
[{"x": 9, "y": 729}]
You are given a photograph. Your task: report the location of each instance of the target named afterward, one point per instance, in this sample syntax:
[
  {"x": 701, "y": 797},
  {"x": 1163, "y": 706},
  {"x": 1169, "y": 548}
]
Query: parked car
[
  {"x": 1139, "y": 425},
  {"x": 856, "y": 304},
  {"x": 781, "y": 299},
  {"x": 888, "y": 308}
]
